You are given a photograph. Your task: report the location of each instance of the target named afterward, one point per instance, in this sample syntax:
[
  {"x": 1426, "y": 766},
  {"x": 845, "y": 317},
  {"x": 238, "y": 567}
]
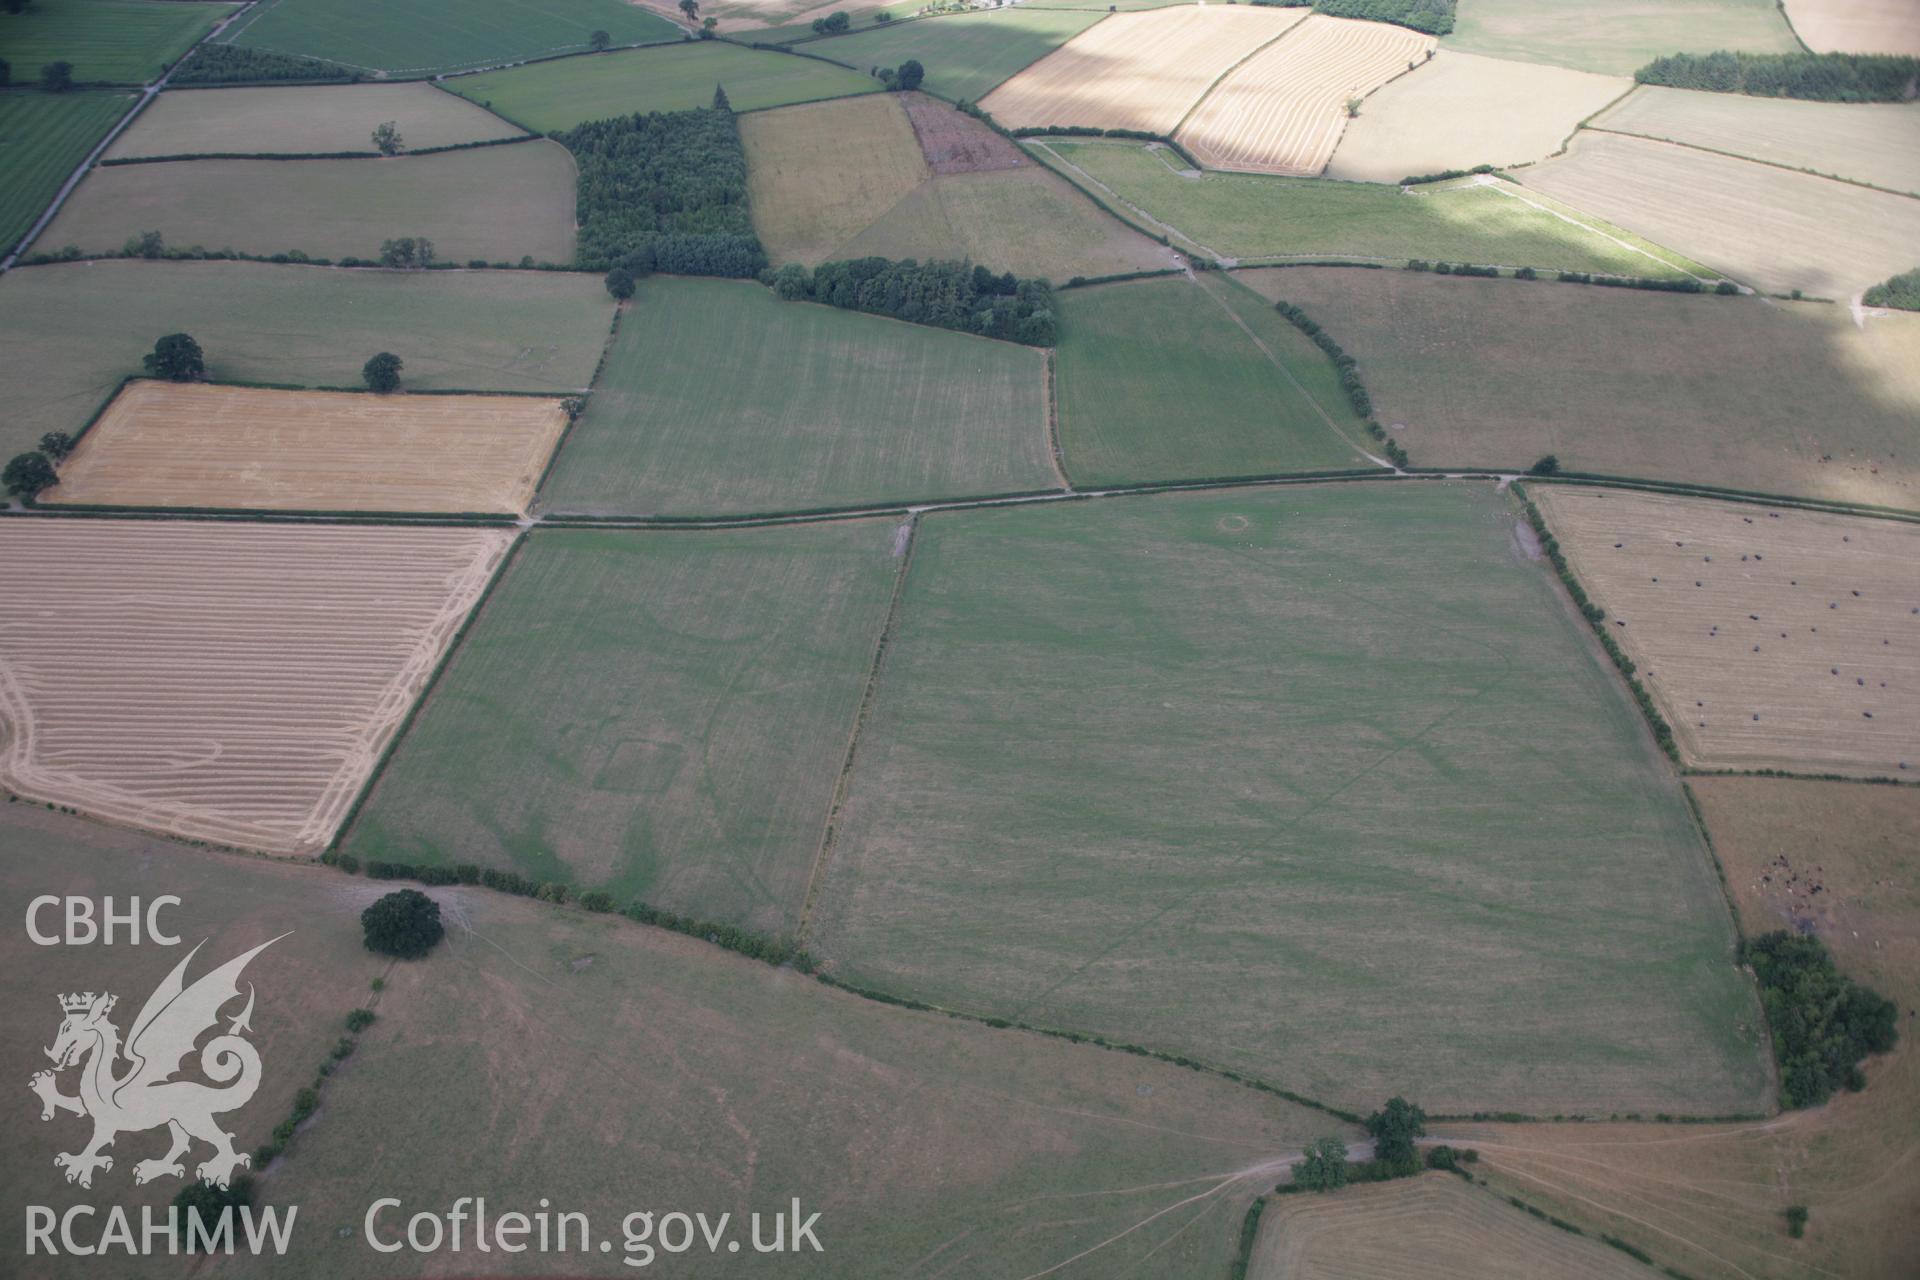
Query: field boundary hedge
[{"x": 321, "y": 155}]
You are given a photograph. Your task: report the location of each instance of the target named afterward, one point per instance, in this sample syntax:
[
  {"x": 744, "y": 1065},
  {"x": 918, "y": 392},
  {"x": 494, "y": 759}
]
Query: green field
[
  {"x": 107, "y": 41},
  {"x": 718, "y": 398},
  {"x": 1157, "y": 380},
  {"x": 1617, "y": 39},
  {"x": 420, "y": 37},
  {"x": 560, "y": 95},
  {"x": 1248, "y": 216},
  {"x": 43, "y": 139},
  {"x": 966, "y": 55},
  {"x": 69, "y": 334},
  {"x": 1783, "y": 397},
  {"x": 496, "y": 204},
  {"x": 660, "y": 714},
  {"x": 1323, "y": 784}
]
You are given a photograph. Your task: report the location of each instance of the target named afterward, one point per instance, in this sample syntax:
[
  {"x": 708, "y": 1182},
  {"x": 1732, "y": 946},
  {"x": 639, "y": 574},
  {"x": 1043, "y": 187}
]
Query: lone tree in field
[
  {"x": 1394, "y": 1128},
  {"x": 1547, "y": 466},
  {"x": 177, "y": 358},
  {"x": 708, "y": 26},
  {"x": 720, "y": 102},
  {"x": 620, "y": 283},
  {"x": 407, "y": 252},
  {"x": 386, "y": 137},
  {"x": 1324, "y": 1167},
  {"x": 148, "y": 244},
  {"x": 56, "y": 445},
  {"x": 405, "y": 924},
  {"x": 909, "y": 76},
  {"x": 28, "y": 474},
  {"x": 382, "y": 373},
  {"x": 691, "y": 8},
  {"x": 599, "y": 41},
  {"x": 56, "y": 77}
]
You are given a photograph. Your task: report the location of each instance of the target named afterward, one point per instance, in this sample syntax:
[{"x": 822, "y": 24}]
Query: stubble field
[
  {"x": 225, "y": 682},
  {"x": 164, "y": 444},
  {"x": 1321, "y": 784},
  {"x": 1771, "y": 639},
  {"x": 302, "y": 120},
  {"x": 1282, "y": 110},
  {"x": 498, "y": 204},
  {"x": 1137, "y": 70}
]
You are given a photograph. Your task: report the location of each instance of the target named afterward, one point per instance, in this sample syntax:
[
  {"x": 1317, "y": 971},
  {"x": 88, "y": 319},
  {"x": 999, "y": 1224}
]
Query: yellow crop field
[
  {"x": 1771, "y": 639},
  {"x": 1137, "y": 70},
  {"x": 1281, "y": 111},
  {"x": 225, "y": 682},
  {"x": 165, "y": 444},
  {"x": 1461, "y": 110},
  {"x": 1856, "y": 26}
]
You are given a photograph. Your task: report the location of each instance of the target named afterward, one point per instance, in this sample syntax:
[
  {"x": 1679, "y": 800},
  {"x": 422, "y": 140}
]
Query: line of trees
[
  {"x": 1823, "y": 1023},
  {"x": 1349, "y": 367},
  {"x": 1902, "y": 292},
  {"x": 665, "y": 191},
  {"x": 1818, "y": 77},
  {"x": 947, "y": 295}
]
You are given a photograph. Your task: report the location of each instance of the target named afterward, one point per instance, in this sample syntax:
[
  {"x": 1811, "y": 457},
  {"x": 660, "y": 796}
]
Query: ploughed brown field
[
  {"x": 1771, "y": 638},
  {"x": 165, "y": 444},
  {"x": 229, "y": 682}
]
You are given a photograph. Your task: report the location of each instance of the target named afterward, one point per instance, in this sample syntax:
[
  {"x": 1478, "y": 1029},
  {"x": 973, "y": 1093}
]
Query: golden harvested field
[
  {"x": 1771, "y": 639},
  {"x": 1708, "y": 1199},
  {"x": 1281, "y": 111},
  {"x": 1857, "y": 26},
  {"x": 302, "y": 119},
  {"x": 1765, "y": 226},
  {"x": 1872, "y": 142},
  {"x": 166, "y": 444},
  {"x": 1433, "y": 1225},
  {"x": 818, "y": 174},
  {"x": 1462, "y": 110},
  {"x": 1137, "y": 70},
  {"x": 224, "y": 682}
]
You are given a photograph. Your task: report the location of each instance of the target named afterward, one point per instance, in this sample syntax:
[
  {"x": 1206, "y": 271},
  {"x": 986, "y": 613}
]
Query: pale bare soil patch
[
  {"x": 302, "y": 119},
  {"x": 1137, "y": 70},
  {"x": 1462, "y": 110},
  {"x": 1432, "y": 1225},
  {"x": 1281, "y": 111},
  {"x": 1770, "y": 639},
  {"x": 1709, "y": 1199},
  {"x": 224, "y": 682},
  {"x": 819, "y": 173},
  {"x": 1766, "y": 226},
  {"x": 955, "y": 143},
  {"x": 164, "y": 444},
  {"x": 1856, "y": 26}
]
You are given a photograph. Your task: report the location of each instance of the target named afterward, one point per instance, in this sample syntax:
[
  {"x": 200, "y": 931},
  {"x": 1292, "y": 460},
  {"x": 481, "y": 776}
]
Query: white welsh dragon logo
[{"x": 145, "y": 1095}]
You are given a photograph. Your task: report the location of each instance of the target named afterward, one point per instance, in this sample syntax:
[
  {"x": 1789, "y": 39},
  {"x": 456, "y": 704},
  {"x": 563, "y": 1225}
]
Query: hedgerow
[
  {"x": 1817, "y": 77},
  {"x": 228, "y": 64}
]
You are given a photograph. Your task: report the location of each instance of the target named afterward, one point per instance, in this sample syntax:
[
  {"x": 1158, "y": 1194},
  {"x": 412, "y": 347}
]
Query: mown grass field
[
  {"x": 496, "y": 204},
  {"x": 719, "y": 398},
  {"x": 658, "y": 714},
  {"x": 1324, "y": 784},
  {"x": 1709, "y": 1201},
  {"x": 819, "y": 174},
  {"x": 70, "y": 333},
  {"x": 966, "y": 54},
  {"x": 107, "y": 41},
  {"x": 302, "y": 120},
  {"x": 1157, "y": 380},
  {"x": 1617, "y": 39},
  {"x": 560, "y": 95},
  {"x": 420, "y": 37},
  {"x": 1776, "y": 398},
  {"x": 1256, "y": 217},
  {"x": 43, "y": 138}
]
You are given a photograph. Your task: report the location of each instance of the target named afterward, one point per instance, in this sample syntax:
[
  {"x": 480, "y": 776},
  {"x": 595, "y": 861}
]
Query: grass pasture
[
  {"x": 497, "y": 204},
  {"x": 43, "y": 139},
  {"x": 1432, "y": 1224},
  {"x": 1462, "y": 110},
  {"x": 658, "y": 714},
  {"x": 107, "y": 41},
  {"x": 302, "y": 120},
  {"x": 164, "y": 444},
  {"x": 1617, "y": 39},
  {"x": 70, "y": 333},
  {"x": 1803, "y": 657},
  {"x": 559, "y": 95},
  {"x": 819, "y": 174},
  {"x": 966, "y": 54},
  {"x": 720, "y": 399},
  {"x": 1258, "y": 217},
  {"x": 1158, "y": 380},
  {"x": 1856, "y": 26},
  {"x": 421, "y": 37},
  {"x": 1323, "y": 784},
  {"x": 1787, "y": 398},
  {"x": 1871, "y": 142},
  {"x": 1768, "y": 227}
]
